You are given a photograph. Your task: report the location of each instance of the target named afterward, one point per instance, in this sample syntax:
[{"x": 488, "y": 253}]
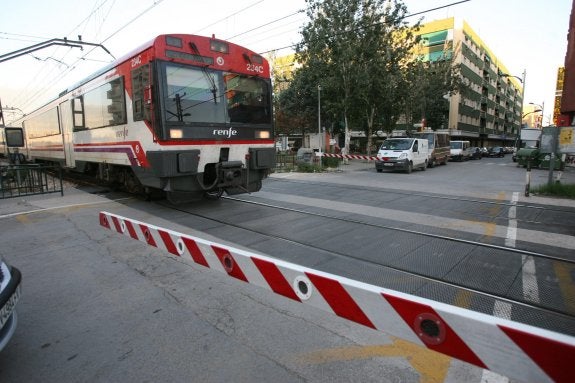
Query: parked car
[
  {"x": 484, "y": 151},
  {"x": 10, "y": 278},
  {"x": 496, "y": 151},
  {"x": 475, "y": 153}
]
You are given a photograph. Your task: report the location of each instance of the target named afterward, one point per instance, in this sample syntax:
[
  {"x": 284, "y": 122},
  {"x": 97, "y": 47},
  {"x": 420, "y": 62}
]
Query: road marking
[
  {"x": 463, "y": 299},
  {"x": 431, "y": 366},
  {"x": 529, "y": 273},
  {"x": 76, "y": 205},
  {"x": 502, "y": 310},
  {"x": 512, "y": 225},
  {"x": 566, "y": 278},
  {"x": 529, "y": 278}
]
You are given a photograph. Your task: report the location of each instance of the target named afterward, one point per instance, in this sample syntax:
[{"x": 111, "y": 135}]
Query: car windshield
[
  {"x": 397, "y": 144},
  {"x": 456, "y": 145}
]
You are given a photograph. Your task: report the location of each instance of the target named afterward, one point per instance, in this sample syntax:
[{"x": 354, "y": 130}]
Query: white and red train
[{"x": 186, "y": 114}]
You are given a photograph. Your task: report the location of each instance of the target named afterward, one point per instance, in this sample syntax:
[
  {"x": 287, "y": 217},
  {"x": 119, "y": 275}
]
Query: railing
[
  {"x": 32, "y": 179},
  {"x": 285, "y": 162}
]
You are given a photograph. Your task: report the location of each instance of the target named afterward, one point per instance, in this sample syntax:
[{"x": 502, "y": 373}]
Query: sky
[{"x": 525, "y": 35}]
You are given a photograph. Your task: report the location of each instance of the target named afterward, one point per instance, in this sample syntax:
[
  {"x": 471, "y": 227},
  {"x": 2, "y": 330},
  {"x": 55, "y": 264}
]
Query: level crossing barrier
[
  {"x": 350, "y": 156},
  {"x": 516, "y": 350}
]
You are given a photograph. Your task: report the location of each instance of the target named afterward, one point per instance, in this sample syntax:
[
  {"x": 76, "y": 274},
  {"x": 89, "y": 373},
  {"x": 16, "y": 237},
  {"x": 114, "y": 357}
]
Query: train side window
[
  {"x": 43, "y": 125},
  {"x": 105, "y": 105},
  {"x": 78, "y": 113}
]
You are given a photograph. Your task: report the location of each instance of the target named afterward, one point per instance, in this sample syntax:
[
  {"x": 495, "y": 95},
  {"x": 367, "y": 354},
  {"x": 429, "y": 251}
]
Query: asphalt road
[{"x": 97, "y": 307}]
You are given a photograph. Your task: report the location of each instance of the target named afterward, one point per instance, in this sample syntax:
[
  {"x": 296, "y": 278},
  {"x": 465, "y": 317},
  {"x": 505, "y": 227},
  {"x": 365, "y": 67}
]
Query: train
[{"x": 187, "y": 115}]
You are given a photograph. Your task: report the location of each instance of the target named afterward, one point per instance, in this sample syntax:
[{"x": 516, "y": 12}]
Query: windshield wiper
[{"x": 210, "y": 79}]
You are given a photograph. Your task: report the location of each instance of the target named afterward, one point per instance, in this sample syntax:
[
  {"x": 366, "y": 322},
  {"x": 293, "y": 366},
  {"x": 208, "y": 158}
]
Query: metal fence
[
  {"x": 285, "y": 162},
  {"x": 31, "y": 179}
]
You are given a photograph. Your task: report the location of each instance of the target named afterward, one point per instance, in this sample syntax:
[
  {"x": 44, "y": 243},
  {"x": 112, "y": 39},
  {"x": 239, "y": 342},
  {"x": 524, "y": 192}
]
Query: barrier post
[{"x": 528, "y": 177}]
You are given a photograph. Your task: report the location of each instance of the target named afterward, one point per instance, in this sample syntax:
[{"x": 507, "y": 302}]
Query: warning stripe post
[{"x": 516, "y": 350}]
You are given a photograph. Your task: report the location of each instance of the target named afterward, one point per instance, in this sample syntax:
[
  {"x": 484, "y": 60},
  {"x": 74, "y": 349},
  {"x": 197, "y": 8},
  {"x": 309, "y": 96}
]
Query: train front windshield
[{"x": 198, "y": 96}]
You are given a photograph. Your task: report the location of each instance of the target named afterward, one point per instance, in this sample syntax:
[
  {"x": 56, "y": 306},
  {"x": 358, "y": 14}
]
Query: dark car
[
  {"x": 475, "y": 153},
  {"x": 496, "y": 151},
  {"x": 9, "y": 295}
]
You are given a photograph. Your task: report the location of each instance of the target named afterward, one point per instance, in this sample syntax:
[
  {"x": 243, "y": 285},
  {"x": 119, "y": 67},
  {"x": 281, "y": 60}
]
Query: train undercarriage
[{"x": 175, "y": 175}]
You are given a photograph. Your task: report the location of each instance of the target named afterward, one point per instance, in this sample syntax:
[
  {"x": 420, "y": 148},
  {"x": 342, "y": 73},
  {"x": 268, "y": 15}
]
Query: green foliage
[
  {"x": 361, "y": 53},
  {"x": 556, "y": 190},
  {"x": 430, "y": 83},
  {"x": 330, "y": 162},
  {"x": 308, "y": 168}
]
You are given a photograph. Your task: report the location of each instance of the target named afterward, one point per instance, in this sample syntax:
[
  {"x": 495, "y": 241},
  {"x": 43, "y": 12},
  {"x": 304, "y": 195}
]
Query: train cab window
[
  {"x": 192, "y": 95},
  {"x": 140, "y": 82},
  {"x": 248, "y": 99}
]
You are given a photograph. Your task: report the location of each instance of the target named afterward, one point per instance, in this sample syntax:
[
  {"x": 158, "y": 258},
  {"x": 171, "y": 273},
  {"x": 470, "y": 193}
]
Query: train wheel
[
  {"x": 132, "y": 184},
  {"x": 214, "y": 194}
]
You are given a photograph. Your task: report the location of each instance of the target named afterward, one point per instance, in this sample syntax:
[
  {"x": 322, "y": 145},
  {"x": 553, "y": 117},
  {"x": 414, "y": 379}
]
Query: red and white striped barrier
[
  {"x": 513, "y": 349},
  {"x": 350, "y": 156}
]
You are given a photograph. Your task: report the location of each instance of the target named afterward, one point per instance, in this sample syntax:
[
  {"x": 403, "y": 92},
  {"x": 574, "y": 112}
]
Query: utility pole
[
  {"x": 2, "y": 123},
  {"x": 319, "y": 117}
]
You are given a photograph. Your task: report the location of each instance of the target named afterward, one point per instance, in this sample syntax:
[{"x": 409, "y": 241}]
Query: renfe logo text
[{"x": 225, "y": 132}]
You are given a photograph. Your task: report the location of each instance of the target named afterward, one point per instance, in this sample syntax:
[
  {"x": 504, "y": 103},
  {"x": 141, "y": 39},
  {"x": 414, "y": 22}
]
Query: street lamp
[
  {"x": 522, "y": 79},
  {"x": 542, "y": 106},
  {"x": 528, "y": 113}
]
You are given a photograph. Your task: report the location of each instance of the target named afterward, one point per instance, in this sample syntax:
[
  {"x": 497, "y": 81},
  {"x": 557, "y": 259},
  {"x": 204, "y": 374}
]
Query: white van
[
  {"x": 402, "y": 154},
  {"x": 460, "y": 151}
]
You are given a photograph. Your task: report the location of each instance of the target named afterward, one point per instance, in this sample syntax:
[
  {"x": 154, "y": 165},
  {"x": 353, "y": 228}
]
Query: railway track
[{"x": 531, "y": 210}]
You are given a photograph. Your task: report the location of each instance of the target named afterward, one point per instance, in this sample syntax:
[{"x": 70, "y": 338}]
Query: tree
[
  {"x": 296, "y": 107},
  {"x": 386, "y": 50},
  {"x": 329, "y": 47},
  {"x": 431, "y": 83},
  {"x": 357, "y": 50},
  {"x": 363, "y": 54}
]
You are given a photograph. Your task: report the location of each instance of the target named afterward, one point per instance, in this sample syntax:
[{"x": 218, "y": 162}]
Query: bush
[
  {"x": 556, "y": 190},
  {"x": 308, "y": 168},
  {"x": 330, "y": 162}
]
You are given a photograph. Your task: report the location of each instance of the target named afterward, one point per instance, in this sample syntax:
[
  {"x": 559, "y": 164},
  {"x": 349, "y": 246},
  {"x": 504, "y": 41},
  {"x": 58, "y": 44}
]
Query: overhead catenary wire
[
  {"x": 47, "y": 73},
  {"x": 227, "y": 17},
  {"x": 54, "y": 79},
  {"x": 383, "y": 22},
  {"x": 62, "y": 74}
]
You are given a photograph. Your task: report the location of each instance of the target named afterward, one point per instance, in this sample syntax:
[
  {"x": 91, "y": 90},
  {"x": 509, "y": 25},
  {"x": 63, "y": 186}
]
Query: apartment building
[{"x": 489, "y": 111}]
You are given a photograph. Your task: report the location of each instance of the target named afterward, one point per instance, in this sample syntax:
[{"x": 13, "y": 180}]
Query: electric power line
[
  {"x": 72, "y": 67},
  {"x": 355, "y": 30}
]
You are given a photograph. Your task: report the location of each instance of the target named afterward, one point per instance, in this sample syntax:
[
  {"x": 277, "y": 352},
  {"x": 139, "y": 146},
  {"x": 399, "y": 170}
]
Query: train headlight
[
  {"x": 176, "y": 133},
  {"x": 262, "y": 134}
]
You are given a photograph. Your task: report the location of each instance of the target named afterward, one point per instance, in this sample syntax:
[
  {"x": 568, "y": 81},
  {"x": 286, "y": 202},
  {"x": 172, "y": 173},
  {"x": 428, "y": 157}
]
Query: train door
[{"x": 67, "y": 126}]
